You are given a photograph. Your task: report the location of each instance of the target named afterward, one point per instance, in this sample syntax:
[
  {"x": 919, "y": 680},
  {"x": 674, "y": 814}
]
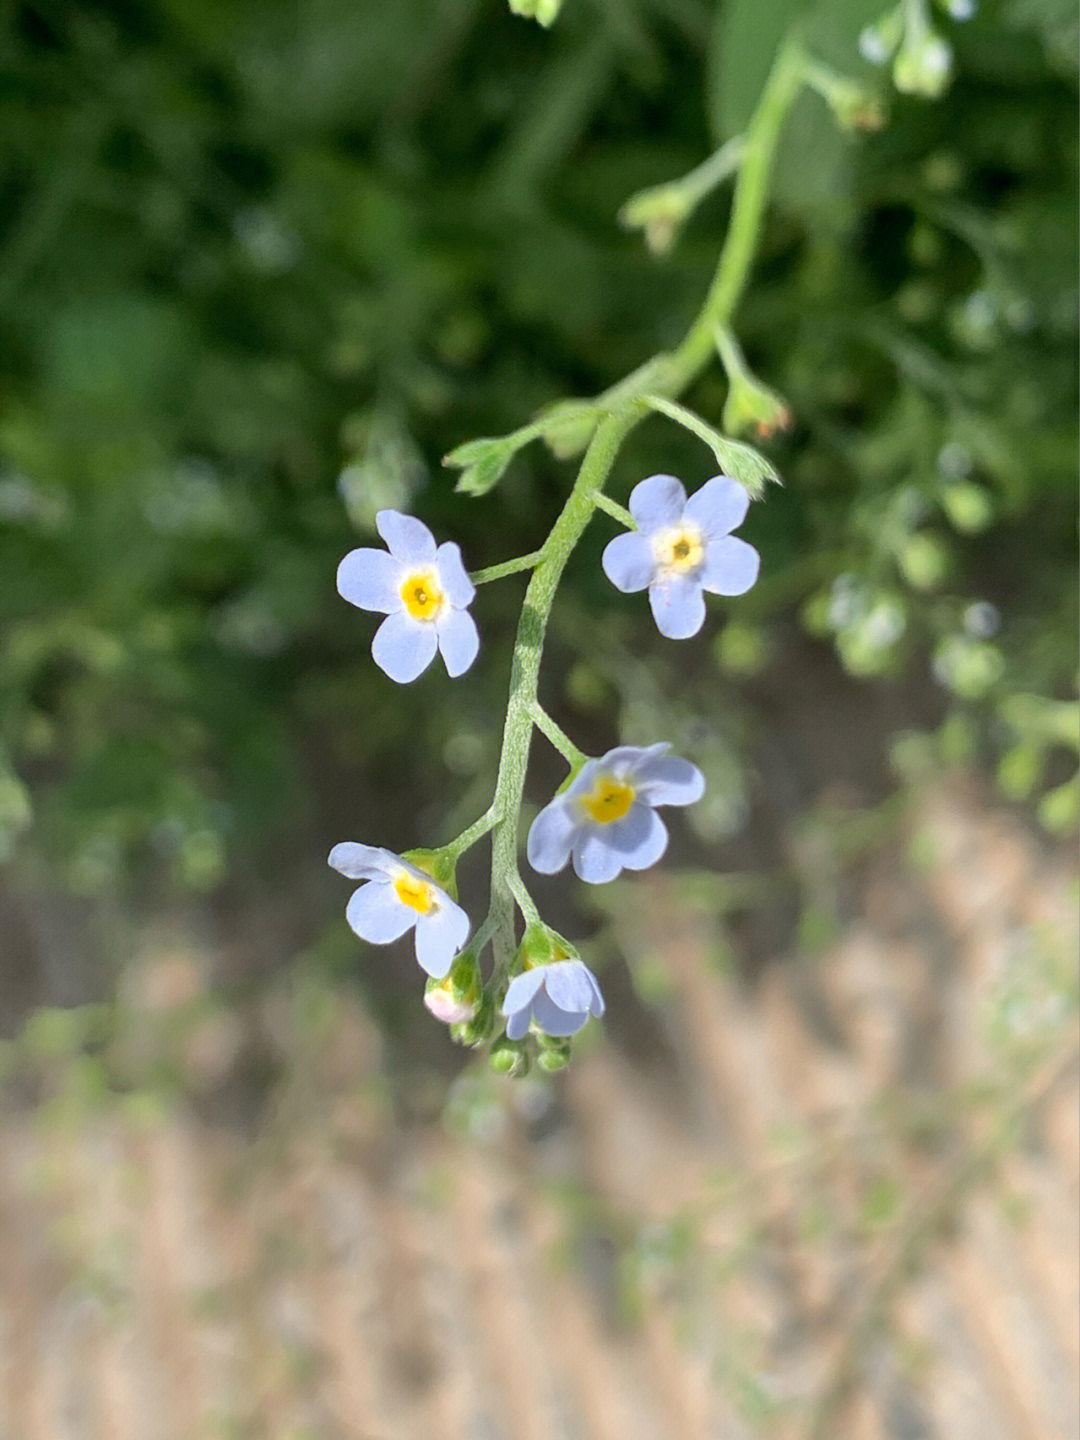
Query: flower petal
[
  {"x": 667, "y": 780},
  {"x": 459, "y": 640},
  {"x": 404, "y": 647},
  {"x": 454, "y": 578},
  {"x": 377, "y": 915},
  {"x": 518, "y": 1001},
  {"x": 639, "y": 838},
  {"x": 361, "y": 862},
  {"x": 626, "y": 761},
  {"x": 554, "y": 1021},
  {"x": 371, "y": 580},
  {"x": 595, "y": 861},
  {"x": 719, "y": 507},
  {"x": 522, "y": 988},
  {"x": 677, "y": 606},
  {"x": 552, "y": 835},
  {"x": 628, "y": 562},
  {"x": 657, "y": 501},
  {"x": 569, "y": 985},
  {"x": 731, "y": 566},
  {"x": 439, "y": 936},
  {"x": 584, "y": 780},
  {"x": 408, "y": 539}
]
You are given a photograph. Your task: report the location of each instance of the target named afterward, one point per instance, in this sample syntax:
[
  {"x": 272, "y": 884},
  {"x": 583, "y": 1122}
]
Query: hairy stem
[{"x": 667, "y": 376}]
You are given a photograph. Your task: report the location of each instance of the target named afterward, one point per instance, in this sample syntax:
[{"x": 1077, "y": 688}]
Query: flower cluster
[{"x": 604, "y": 819}]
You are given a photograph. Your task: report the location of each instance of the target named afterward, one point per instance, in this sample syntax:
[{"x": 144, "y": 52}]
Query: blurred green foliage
[{"x": 262, "y": 264}]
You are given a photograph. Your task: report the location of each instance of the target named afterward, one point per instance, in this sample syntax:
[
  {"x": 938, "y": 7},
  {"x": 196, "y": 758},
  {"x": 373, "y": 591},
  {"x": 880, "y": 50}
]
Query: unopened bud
[
  {"x": 509, "y": 1057},
  {"x": 923, "y": 65},
  {"x": 554, "y": 1054},
  {"x": 543, "y": 12},
  {"x": 454, "y": 999},
  {"x": 752, "y": 407}
]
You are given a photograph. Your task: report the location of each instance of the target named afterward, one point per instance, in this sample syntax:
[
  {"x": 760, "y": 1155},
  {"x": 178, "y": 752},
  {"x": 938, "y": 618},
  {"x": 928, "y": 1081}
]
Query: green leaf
[{"x": 482, "y": 464}]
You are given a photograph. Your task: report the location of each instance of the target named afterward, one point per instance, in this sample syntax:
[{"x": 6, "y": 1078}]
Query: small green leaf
[{"x": 482, "y": 464}]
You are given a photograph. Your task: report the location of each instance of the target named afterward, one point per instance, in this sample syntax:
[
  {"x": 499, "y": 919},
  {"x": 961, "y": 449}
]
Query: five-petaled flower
[
  {"x": 682, "y": 547},
  {"x": 559, "y": 997},
  {"x": 606, "y": 819},
  {"x": 395, "y": 897},
  {"x": 423, "y": 591}
]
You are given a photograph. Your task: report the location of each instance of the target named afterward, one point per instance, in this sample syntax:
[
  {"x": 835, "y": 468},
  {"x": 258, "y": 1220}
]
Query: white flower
[
  {"x": 423, "y": 591},
  {"x": 397, "y": 897}
]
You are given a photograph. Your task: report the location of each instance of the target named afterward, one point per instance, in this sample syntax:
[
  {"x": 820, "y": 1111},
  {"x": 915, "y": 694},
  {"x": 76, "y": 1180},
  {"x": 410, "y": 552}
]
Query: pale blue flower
[
  {"x": 682, "y": 547},
  {"x": 423, "y": 591},
  {"x": 397, "y": 897},
  {"x": 559, "y": 998},
  {"x": 606, "y": 820}
]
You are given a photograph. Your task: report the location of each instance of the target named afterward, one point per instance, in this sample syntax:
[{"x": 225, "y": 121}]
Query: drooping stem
[{"x": 666, "y": 376}]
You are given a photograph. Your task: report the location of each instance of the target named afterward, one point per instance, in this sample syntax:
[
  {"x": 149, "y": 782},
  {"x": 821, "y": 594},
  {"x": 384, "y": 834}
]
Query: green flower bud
[
  {"x": 554, "y": 1054},
  {"x": 478, "y": 1030},
  {"x": 456, "y": 998},
  {"x": 752, "y": 407},
  {"x": 544, "y": 12},
  {"x": 923, "y": 65},
  {"x": 509, "y": 1057}
]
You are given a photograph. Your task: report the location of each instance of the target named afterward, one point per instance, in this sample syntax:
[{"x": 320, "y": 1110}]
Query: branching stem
[{"x": 664, "y": 378}]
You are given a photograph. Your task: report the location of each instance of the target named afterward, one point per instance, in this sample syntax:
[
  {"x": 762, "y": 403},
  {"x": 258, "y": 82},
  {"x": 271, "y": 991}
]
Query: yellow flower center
[
  {"x": 422, "y": 596},
  {"x": 415, "y": 893},
  {"x": 608, "y": 800},
  {"x": 679, "y": 549}
]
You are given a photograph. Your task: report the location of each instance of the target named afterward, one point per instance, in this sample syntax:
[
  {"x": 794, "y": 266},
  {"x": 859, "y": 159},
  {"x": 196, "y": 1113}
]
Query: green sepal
[
  {"x": 511, "y": 1057},
  {"x": 478, "y": 1030},
  {"x": 540, "y": 945},
  {"x": 553, "y": 1052},
  {"x": 439, "y": 864}
]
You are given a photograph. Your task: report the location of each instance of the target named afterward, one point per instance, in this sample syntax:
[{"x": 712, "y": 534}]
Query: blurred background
[{"x": 262, "y": 263}]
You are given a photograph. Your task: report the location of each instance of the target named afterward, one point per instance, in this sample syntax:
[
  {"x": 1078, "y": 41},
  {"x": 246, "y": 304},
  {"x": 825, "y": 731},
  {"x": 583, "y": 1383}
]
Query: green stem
[
  {"x": 613, "y": 507},
  {"x": 525, "y": 670},
  {"x": 508, "y": 567},
  {"x": 470, "y": 836},
  {"x": 668, "y": 376},
  {"x": 558, "y": 737},
  {"x": 686, "y": 418}
]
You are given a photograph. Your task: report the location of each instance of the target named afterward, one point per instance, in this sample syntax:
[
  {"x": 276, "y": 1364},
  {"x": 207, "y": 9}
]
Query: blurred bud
[
  {"x": 959, "y": 9},
  {"x": 854, "y": 107},
  {"x": 660, "y": 213},
  {"x": 543, "y": 12},
  {"x": 752, "y": 407},
  {"x": 455, "y": 999},
  {"x": 878, "y": 42},
  {"x": 968, "y": 667},
  {"x": 1059, "y": 809},
  {"x": 924, "y": 560},
  {"x": 923, "y": 65},
  {"x": 509, "y": 1057},
  {"x": 554, "y": 1054},
  {"x": 968, "y": 507}
]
